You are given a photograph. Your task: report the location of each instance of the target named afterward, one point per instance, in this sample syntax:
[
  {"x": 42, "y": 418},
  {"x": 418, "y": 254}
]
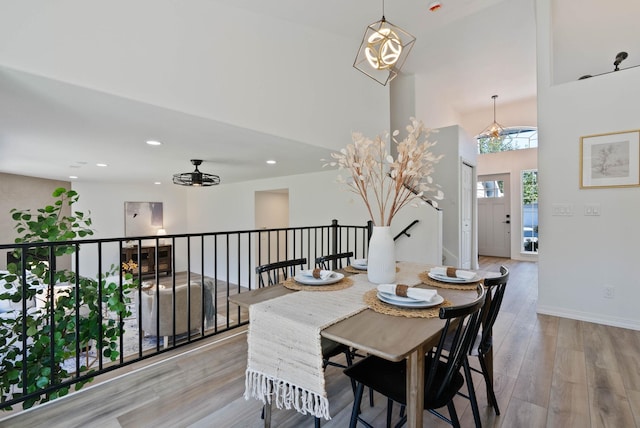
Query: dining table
[{"x": 392, "y": 336}]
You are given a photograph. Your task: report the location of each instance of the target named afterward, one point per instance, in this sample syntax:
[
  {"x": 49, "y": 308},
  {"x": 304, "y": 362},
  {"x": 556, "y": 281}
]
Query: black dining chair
[
  {"x": 442, "y": 376},
  {"x": 334, "y": 261},
  {"x": 495, "y": 288},
  {"x": 277, "y": 272}
]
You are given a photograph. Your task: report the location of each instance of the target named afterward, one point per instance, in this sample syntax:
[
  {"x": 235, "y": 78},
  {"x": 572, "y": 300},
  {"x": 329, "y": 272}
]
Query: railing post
[{"x": 334, "y": 242}]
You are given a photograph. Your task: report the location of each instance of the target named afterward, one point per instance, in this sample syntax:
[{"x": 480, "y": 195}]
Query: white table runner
[{"x": 285, "y": 355}]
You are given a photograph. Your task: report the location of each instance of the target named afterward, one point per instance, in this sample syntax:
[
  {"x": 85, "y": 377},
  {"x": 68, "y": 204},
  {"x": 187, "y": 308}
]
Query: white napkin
[
  {"x": 463, "y": 274},
  {"x": 419, "y": 294},
  {"x": 324, "y": 274}
]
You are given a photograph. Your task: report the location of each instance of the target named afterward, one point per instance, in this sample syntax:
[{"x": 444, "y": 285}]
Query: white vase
[{"x": 381, "y": 263}]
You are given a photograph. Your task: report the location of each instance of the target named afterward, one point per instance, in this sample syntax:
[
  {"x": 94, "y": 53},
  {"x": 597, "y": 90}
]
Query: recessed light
[
  {"x": 271, "y": 162},
  {"x": 154, "y": 143},
  {"x": 157, "y": 182},
  {"x": 101, "y": 164},
  {"x": 434, "y": 5},
  {"x": 73, "y": 176}
]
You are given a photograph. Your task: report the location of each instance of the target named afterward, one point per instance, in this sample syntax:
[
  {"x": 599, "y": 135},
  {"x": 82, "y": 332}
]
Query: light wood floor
[{"x": 549, "y": 372}]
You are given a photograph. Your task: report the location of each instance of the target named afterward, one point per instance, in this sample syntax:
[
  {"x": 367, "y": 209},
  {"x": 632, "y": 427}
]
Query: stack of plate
[
  {"x": 360, "y": 264},
  {"x": 407, "y": 302},
  {"x": 310, "y": 280},
  {"x": 445, "y": 278}
]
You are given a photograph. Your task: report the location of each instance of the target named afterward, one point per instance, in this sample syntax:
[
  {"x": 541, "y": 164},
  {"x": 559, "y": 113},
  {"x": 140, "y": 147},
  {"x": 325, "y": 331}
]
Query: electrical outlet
[{"x": 609, "y": 291}]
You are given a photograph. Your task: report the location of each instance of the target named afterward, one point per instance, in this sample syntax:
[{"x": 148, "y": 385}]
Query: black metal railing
[
  {"x": 405, "y": 231},
  {"x": 126, "y": 299}
]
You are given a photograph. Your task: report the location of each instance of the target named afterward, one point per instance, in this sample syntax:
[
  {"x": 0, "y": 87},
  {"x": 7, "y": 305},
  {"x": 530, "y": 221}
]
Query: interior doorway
[
  {"x": 494, "y": 217},
  {"x": 271, "y": 212},
  {"x": 466, "y": 219}
]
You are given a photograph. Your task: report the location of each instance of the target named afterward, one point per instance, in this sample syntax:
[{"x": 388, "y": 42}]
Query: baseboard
[{"x": 589, "y": 317}]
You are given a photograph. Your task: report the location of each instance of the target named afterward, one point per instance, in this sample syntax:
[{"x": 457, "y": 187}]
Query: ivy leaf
[
  {"x": 13, "y": 374},
  {"x": 42, "y": 382},
  {"x": 59, "y": 191}
]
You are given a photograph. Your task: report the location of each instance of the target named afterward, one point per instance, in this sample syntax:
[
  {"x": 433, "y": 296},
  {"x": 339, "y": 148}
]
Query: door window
[
  {"x": 530, "y": 211},
  {"x": 490, "y": 189}
]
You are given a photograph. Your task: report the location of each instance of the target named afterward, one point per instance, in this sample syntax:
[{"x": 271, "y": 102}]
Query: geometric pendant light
[
  {"x": 494, "y": 131},
  {"x": 383, "y": 50}
]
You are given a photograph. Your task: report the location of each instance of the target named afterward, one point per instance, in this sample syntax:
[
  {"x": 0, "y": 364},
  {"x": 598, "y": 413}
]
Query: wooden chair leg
[
  {"x": 267, "y": 415},
  {"x": 490, "y": 392}
]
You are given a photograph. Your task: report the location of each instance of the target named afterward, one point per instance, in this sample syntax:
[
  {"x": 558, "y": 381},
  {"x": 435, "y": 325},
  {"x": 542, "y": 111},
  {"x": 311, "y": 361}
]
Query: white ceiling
[{"x": 472, "y": 48}]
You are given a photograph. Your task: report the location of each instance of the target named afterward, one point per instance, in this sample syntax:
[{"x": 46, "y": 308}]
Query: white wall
[
  {"x": 105, "y": 203},
  {"x": 523, "y": 112},
  {"x": 271, "y": 212},
  {"x": 457, "y": 147},
  {"x": 432, "y": 104},
  {"x": 314, "y": 200},
  {"x": 25, "y": 193},
  {"x": 512, "y": 163},
  {"x": 222, "y": 63},
  {"x": 581, "y": 254}
]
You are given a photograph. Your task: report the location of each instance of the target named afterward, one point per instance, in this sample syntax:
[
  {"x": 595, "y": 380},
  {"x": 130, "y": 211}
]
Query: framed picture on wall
[
  {"x": 142, "y": 218},
  {"x": 610, "y": 160}
]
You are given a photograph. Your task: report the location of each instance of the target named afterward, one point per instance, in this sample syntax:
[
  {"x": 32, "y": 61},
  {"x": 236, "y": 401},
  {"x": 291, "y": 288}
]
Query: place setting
[
  {"x": 318, "y": 280},
  {"x": 450, "y": 277},
  {"x": 403, "y": 300},
  {"x": 357, "y": 266}
]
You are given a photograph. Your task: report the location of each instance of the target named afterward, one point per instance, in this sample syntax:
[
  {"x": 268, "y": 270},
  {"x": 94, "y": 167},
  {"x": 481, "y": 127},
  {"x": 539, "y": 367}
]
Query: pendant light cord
[{"x": 494, "y": 107}]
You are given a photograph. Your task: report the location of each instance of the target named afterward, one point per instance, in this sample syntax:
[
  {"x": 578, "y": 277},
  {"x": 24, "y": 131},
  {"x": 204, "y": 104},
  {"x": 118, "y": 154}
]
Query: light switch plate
[
  {"x": 564, "y": 210},
  {"x": 592, "y": 209}
]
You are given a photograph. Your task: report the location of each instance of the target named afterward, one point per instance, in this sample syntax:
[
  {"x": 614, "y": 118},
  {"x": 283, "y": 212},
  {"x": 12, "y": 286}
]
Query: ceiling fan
[{"x": 196, "y": 178}]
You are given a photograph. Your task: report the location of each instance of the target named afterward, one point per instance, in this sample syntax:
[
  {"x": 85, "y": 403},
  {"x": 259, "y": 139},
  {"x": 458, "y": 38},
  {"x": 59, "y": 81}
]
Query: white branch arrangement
[{"x": 384, "y": 183}]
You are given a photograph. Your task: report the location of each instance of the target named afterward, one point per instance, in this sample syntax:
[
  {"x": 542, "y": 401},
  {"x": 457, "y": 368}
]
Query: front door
[{"x": 494, "y": 219}]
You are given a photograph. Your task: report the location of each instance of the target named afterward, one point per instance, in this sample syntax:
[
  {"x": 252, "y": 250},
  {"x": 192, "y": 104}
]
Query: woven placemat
[
  {"x": 371, "y": 299},
  {"x": 351, "y": 269},
  {"x": 291, "y": 284},
  {"x": 424, "y": 277}
]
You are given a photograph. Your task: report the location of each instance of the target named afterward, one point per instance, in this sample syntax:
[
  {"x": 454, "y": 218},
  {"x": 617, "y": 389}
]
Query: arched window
[{"x": 513, "y": 138}]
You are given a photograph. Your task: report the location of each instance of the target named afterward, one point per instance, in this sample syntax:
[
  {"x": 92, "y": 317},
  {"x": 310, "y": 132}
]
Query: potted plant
[
  {"x": 387, "y": 184},
  {"x": 60, "y": 326}
]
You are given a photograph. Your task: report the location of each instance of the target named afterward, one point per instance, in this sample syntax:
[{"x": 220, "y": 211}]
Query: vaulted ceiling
[{"x": 232, "y": 82}]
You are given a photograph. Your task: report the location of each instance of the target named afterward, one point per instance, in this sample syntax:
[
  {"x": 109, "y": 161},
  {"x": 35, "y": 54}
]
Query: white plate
[
  {"x": 395, "y": 298},
  {"x": 452, "y": 280},
  {"x": 405, "y": 302},
  {"x": 309, "y": 280},
  {"x": 360, "y": 264}
]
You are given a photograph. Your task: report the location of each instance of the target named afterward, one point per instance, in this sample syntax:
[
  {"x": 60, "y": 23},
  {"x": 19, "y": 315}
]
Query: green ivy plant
[{"x": 80, "y": 318}]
